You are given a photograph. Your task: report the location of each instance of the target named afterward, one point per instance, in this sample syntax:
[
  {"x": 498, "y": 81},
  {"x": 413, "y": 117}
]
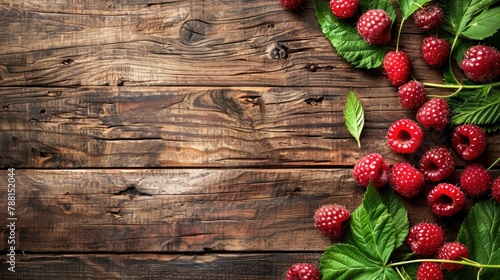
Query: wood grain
[
  {"x": 177, "y": 43},
  {"x": 196, "y": 126},
  {"x": 185, "y": 210}
]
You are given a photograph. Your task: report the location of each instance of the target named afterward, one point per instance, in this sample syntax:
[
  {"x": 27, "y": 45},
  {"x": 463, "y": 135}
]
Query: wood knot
[
  {"x": 193, "y": 31},
  {"x": 278, "y": 51}
]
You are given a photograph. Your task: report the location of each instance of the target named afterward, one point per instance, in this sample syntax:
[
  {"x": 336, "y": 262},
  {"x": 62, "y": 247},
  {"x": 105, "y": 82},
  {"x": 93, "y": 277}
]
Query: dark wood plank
[
  {"x": 194, "y": 126},
  {"x": 184, "y": 210},
  {"x": 134, "y": 42},
  {"x": 250, "y": 266}
]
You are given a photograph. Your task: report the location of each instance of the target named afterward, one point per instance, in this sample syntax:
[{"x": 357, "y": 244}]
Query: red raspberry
[
  {"x": 371, "y": 168},
  {"x": 495, "y": 189},
  {"x": 446, "y": 200},
  {"x": 428, "y": 17},
  {"x": 397, "y": 67},
  {"x": 481, "y": 63},
  {"x": 469, "y": 141},
  {"x": 435, "y": 51},
  {"x": 430, "y": 271},
  {"x": 303, "y": 271},
  {"x": 434, "y": 113},
  {"x": 344, "y": 8},
  {"x": 452, "y": 251},
  {"x": 404, "y": 136},
  {"x": 332, "y": 220},
  {"x": 406, "y": 179},
  {"x": 437, "y": 164},
  {"x": 425, "y": 238},
  {"x": 291, "y": 4},
  {"x": 412, "y": 95},
  {"x": 375, "y": 27},
  {"x": 475, "y": 180}
]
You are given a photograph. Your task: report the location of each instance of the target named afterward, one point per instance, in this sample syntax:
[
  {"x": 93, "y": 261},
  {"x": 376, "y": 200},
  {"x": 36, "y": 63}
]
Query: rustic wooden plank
[
  {"x": 250, "y": 266},
  {"x": 132, "y": 42},
  {"x": 184, "y": 210},
  {"x": 195, "y": 126}
]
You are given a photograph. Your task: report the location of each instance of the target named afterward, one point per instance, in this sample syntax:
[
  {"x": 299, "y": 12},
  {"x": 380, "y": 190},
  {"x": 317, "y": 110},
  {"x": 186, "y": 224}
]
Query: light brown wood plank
[
  {"x": 184, "y": 210},
  {"x": 185, "y": 126},
  {"x": 225, "y": 43},
  {"x": 251, "y": 266}
]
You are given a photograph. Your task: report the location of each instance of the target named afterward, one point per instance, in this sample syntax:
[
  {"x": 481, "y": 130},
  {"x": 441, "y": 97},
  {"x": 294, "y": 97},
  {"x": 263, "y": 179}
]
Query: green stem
[
  {"x": 493, "y": 164},
  {"x": 457, "y": 87},
  {"x": 399, "y": 34},
  {"x": 450, "y": 59},
  {"x": 462, "y": 262}
]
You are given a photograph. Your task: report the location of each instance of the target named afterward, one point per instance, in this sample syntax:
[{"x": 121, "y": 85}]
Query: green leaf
[
  {"x": 354, "y": 116},
  {"x": 372, "y": 229},
  {"x": 399, "y": 216},
  {"x": 408, "y": 7},
  {"x": 474, "y": 107},
  {"x": 483, "y": 25},
  {"x": 346, "y": 40},
  {"x": 346, "y": 262},
  {"x": 480, "y": 231}
]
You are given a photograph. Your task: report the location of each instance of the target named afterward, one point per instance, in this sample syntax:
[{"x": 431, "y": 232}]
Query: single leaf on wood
[{"x": 354, "y": 116}]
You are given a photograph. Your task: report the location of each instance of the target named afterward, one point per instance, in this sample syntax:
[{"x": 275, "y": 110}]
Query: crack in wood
[{"x": 132, "y": 192}]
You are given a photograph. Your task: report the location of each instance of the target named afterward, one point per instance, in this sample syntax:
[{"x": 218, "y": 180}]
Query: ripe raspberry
[
  {"x": 446, "y": 200},
  {"x": 375, "y": 27},
  {"x": 303, "y": 271},
  {"x": 332, "y": 220},
  {"x": 428, "y": 17},
  {"x": 404, "y": 136},
  {"x": 397, "y": 67},
  {"x": 437, "y": 164},
  {"x": 495, "y": 189},
  {"x": 469, "y": 141},
  {"x": 452, "y": 251},
  {"x": 371, "y": 168},
  {"x": 406, "y": 179},
  {"x": 291, "y": 4},
  {"x": 481, "y": 63},
  {"x": 425, "y": 238},
  {"x": 434, "y": 113},
  {"x": 430, "y": 271},
  {"x": 435, "y": 51},
  {"x": 475, "y": 180},
  {"x": 412, "y": 95},
  {"x": 344, "y": 8}
]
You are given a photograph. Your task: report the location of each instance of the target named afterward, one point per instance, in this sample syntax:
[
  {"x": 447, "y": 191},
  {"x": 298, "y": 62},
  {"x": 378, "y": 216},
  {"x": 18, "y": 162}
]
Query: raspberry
[
  {"x": 435, "y": 51},
  {"x": 434, "y": 113},
  {"x": 495, "y": 189},
  {"x": 475, "y": 180},
  {"x": 375, "y": 27},
  {"x": 303, "y": 271},
  {"x": 406, "y": 179},
  {"x": 428, "y": 17},
  {"x": 344, "y": 8},
  {"x": 412, "y": 95},
  {"x": 397, "y": 67},
  {"x": 437, "y": 164},
  {"x": 291, "y": 4},
  {"x": 430, "y": 271},
  {"x": 446, "y": 200},
  {"x": 425, "y": 238},
  {"x": 481, "y": 63},
  {"x": 452, "y": 251},
  {"x": 469, "y": 141},
  {"x": 371, "y": 168},
  {"x": 404, "y": 136},
  {"x": 332, "y": 220}
]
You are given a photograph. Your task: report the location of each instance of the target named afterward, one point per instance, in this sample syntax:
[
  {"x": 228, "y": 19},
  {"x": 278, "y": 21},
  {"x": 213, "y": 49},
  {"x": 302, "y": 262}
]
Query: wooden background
[{"x": 171, "y": 139}]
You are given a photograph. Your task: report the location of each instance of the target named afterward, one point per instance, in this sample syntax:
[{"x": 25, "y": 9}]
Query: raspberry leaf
[
  {"x": 483, "y": 25},
  {"x": 346, "y": 40},
  {"x": 354, "y": 116},
  {"x": 479, "y": 232},
  {"x": 399, "y": 216},
  {"x": 372, "y": 228},
  {"x": 345, "y": 262},
  {"x": 408, "y": 7}
]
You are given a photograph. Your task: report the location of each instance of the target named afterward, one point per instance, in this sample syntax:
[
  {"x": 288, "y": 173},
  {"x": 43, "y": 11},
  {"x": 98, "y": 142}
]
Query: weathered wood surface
[
  {"x": 184, "y": 210},
  {"x": 195, "y": 126},
  {"x": 219, "y": 42}
]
